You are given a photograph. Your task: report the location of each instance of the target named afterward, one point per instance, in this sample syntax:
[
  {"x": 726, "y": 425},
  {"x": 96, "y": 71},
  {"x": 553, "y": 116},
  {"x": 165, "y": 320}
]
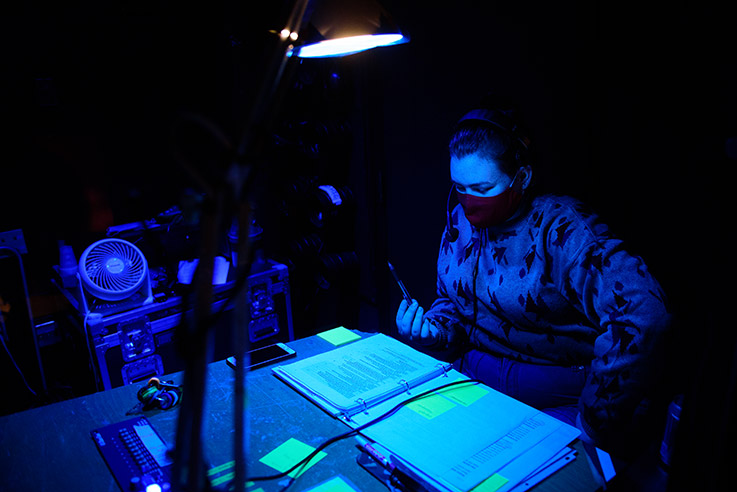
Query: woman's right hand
[{"x": 412, "y": 325}]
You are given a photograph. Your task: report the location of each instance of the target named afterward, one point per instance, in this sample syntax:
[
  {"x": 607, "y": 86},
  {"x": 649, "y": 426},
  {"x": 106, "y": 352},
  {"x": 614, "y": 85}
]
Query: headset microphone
[{"x": 451, "y": 233}]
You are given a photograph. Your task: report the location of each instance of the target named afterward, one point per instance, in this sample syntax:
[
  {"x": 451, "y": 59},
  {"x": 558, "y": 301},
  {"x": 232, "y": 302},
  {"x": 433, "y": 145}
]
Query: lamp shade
[{"x": 343, "y": 27}]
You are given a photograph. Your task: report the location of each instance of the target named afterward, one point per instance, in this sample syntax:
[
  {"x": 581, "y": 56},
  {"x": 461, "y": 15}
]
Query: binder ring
[
  {"x": 444, "y": 368},
  {"x": 362, "y": 402},
  {"x": 406, "y": 384}
]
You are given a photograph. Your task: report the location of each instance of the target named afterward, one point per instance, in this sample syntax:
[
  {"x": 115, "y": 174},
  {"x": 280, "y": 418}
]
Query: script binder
[
  {"x": 453, "y": 437},
  {"x": 355, "y": 377}
]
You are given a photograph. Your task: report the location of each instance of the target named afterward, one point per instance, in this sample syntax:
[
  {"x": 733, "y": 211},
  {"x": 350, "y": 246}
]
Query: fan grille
[{"x": 114, "y": 268}]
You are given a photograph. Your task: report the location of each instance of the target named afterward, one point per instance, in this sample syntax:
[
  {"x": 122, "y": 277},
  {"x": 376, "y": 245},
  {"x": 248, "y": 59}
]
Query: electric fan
[{"x": 111, "y": 271}]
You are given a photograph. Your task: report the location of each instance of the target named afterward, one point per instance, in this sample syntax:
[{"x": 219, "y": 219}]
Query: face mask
[{"x": 488, "y": 211}]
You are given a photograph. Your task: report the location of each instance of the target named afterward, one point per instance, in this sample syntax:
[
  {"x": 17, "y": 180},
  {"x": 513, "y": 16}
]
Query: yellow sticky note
[
  {"x": 289, "y": 454},
  {"x": 335, "y": 484},
  {"x": 339, "y": 336},
  {"x": 465, "y": 394},
  {"x": 431, "y": 406},
  {"x": 491, "y": 484}
]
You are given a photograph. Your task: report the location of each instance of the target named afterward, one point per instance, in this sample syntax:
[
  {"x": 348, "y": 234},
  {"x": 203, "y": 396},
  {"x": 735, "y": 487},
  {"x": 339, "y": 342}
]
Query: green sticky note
[
  {"x": 465, "y": 394},
  {"x": 431, "y": 406},
  {"x": 491, "y": 484},
  {"x": 289, "y": 454},
  {"x": 224, "y": 473},
  {"x": 335, "y": 484},
  {"x": 339, "y": 336},
  {"x": 220, "y": 468},
  {"x": 222, "y": 479},
  {"x": 215, "y": 482}
]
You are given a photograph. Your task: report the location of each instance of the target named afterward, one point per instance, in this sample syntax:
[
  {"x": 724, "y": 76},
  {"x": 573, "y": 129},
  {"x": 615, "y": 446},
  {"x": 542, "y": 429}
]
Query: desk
[{"x": 50, "y": 448}]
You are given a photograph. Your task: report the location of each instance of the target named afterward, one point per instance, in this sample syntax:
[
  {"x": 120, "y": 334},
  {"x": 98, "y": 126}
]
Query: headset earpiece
[{"x": 169, "y": 398}]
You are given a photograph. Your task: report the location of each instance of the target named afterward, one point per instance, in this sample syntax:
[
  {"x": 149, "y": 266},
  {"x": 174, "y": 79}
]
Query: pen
[{"x": 405, "y": 292}]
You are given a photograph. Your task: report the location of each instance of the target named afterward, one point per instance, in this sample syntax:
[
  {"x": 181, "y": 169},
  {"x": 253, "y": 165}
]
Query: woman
[{"x": 542, "y": 301}]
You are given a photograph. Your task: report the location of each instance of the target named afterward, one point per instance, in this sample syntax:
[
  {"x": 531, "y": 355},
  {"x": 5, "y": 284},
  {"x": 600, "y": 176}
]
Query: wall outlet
[{"x": 13, "y": 239}]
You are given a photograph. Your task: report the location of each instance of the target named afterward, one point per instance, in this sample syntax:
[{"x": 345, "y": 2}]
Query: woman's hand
[{"x": 412, "y": 325}]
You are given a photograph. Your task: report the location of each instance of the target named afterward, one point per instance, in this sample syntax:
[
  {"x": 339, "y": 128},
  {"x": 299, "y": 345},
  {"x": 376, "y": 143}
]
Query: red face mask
[{"x": 488, "y": 211}]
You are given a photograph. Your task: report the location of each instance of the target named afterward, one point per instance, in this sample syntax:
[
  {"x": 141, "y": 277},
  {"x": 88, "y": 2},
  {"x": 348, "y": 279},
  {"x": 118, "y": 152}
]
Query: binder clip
[
  {"x": 382, "y": 474},
  {"x": 390, "y": 475}
]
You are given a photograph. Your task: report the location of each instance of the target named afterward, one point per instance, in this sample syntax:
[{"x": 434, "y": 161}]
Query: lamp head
[{"x": 344, "y": 27}]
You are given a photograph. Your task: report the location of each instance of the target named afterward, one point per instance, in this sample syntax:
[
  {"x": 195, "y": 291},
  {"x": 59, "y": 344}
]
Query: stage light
[{"x": 344, "y": 27}]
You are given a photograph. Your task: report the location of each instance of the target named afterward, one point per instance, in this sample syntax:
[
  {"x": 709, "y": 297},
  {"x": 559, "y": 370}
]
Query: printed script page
[
  {"x": 363, "y": 371},
  {"x": 463, "y": 435}
]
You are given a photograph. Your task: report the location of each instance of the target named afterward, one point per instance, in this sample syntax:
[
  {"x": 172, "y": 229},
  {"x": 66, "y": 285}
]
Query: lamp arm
[{"x": 189, "y": 467}]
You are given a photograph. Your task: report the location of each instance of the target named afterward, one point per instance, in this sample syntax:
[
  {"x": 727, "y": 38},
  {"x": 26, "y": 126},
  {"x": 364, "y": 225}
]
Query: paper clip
[{"x": 406, "y": 384}]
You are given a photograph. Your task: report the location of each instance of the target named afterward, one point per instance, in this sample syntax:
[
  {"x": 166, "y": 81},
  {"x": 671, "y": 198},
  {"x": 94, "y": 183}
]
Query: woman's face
[{"x": 479, "y": 176}]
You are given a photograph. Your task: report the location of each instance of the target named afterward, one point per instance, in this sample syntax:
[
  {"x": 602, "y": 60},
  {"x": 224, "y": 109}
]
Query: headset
[
  {"x": 508, "y": 126},
  {"x": 157, "y": 394}
]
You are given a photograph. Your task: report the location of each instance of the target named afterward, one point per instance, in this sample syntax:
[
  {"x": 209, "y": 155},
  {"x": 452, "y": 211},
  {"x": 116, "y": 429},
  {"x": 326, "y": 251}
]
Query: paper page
[
  {"x": 539, "y": 462},
  {"x": 561, "y": 459},
  {"x": 465, "y": 444},
  {"x": 367, "y": 371}
]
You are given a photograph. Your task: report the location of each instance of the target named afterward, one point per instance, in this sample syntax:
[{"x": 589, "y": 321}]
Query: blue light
[{"x": 347, "y": 46}]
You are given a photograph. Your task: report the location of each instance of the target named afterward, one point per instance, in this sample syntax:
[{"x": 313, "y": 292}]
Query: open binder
[
  {"x": 453, "y": 439},
  {"x": 354, "y": 378}
]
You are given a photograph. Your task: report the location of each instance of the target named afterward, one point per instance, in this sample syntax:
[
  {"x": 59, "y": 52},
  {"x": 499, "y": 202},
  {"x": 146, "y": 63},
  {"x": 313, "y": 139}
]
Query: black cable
[
  {"x": 12, "y": 359},
  {"x": 358, "y": 429},
  {"x": 42, "y": 373}
]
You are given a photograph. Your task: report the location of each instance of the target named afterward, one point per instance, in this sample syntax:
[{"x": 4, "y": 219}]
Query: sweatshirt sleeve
[{"x": 627, "y": 305}]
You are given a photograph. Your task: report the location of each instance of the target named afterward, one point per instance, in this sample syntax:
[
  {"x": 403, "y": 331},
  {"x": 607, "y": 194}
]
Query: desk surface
[{"x": 50, "y": 448}]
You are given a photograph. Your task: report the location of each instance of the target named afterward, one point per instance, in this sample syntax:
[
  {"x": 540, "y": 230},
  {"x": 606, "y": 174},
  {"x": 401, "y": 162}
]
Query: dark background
[{"x": 630, "y": 105}]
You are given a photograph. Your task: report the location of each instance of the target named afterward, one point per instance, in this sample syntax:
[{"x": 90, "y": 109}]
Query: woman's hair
[{"x": 504, "y": 141}]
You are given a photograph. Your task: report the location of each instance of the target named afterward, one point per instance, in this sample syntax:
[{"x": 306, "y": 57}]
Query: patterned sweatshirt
[{"x": 554, "y": 286}]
